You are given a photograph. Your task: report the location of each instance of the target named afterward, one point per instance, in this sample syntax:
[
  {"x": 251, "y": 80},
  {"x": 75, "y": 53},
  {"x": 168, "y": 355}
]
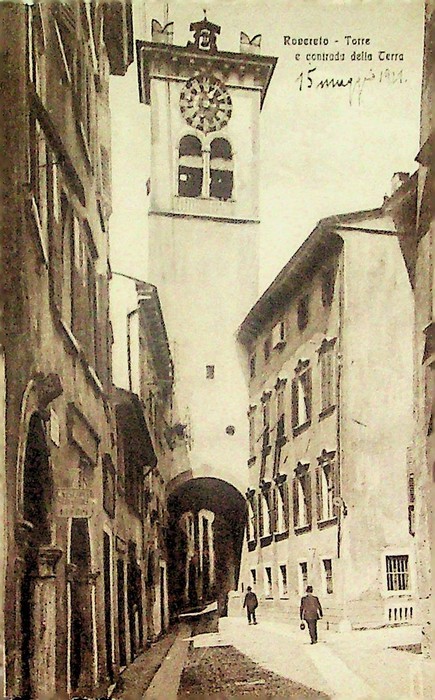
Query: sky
[{"x": 324, "y": 150}]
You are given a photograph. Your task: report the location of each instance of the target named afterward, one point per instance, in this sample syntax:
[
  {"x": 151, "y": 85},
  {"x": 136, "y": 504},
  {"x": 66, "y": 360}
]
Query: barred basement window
[
  {"x": 283, "y": 585},
  {"x": 397, "y": 573},
  {"x": 327, "y": 567},
  {"x": 254, "y": 577},
  {"x": 303, "y": 576},
  {"x": 268, "y": 581}
]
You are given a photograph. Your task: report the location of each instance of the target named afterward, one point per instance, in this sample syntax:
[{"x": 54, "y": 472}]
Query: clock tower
[{"x": 203, "y": 221}]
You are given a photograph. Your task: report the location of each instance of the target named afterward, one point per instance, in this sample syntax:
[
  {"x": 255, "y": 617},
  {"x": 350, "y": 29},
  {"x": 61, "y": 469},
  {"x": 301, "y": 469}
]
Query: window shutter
[
  {"x": 308, "y": 395},
  {"x": 308, "y": 497},
  {"x": 260, "y": 514},
  {"x": 319, "y": 493},
  {"x": 285, "y": 501},
  {"x": 295, "y": 417},
  {"x": 295, "y": 503},
  {"x": 335, "y": 488},
  {"x": 274, "y": 518},
  {"x": 255, "y": 518}
]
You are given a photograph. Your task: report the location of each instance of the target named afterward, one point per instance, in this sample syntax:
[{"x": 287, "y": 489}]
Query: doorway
[{"x": 107, "y": 560}]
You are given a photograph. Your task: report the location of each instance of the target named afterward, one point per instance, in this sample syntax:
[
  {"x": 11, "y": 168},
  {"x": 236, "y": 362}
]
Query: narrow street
[{"x": 275, "y": 659}]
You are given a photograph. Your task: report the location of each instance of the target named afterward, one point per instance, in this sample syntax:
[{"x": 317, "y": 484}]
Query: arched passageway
[
  {"x": 206, "y": 526},
  {"x": 37, "y": 517}
]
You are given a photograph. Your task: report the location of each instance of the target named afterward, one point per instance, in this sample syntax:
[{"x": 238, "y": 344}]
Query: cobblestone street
[
  {"x": 225, "y": 672},
  {"x": 274, "y": 659}
]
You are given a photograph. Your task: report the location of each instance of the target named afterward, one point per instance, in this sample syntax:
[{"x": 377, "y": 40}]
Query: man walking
[
  {"x": 311, "y": 611},
  {"x": 251, "y": 604}
]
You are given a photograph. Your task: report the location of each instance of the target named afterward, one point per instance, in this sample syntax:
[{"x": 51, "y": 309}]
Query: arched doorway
[
  {"x": 38, "y": 559},
  {"x": 206, "y": 526}
]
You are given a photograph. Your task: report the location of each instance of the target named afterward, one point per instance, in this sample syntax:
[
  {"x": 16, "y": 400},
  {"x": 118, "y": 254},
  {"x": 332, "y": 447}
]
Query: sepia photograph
[{"x": 217, "y": 349}]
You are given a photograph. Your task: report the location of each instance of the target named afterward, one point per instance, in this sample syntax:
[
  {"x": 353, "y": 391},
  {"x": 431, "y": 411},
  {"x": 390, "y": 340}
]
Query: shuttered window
[
  {"x": 302, "y": 505},
  {"x": 301, "y": 399}
]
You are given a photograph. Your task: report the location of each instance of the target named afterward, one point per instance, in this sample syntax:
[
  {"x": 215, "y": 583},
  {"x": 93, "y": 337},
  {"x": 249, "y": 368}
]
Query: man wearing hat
[{"x": 311, "y": 611}]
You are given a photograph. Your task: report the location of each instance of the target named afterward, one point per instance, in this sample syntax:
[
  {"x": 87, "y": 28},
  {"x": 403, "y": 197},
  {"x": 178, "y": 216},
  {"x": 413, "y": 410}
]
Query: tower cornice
[{"x": 184, "y": 60}]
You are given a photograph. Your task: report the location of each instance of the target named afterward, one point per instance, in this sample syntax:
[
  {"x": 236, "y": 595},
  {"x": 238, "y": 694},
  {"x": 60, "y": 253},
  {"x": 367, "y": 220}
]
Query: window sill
[
  {"x": 301, "y": 529},
  {"x": 300, "y": 428},
  {"x": 327, "y": 412},
  {"x": 280, "y": 345},
  {"x": 268, "y": 597},
  {"x": 326, "y": 523},
  {"x": 284, "y": 597},
  {"x": 279, "y": 536},
  {"x": 252, "y": 544},
  {"x": 251, "y": 461},
  {"x": 266, "y": 540}
]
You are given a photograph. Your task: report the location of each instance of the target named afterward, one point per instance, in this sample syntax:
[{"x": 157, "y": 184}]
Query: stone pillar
[{"x": 43, "y": 660}]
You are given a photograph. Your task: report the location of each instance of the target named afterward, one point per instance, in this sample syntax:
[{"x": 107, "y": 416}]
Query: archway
[
  {"x": 36, "y": 553},
  {"x": 206, "y": 526},
  {"x": 80, "y": 583}
]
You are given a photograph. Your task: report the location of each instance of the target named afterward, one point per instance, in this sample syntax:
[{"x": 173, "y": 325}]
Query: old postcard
[{"x": 217, "y": 349}]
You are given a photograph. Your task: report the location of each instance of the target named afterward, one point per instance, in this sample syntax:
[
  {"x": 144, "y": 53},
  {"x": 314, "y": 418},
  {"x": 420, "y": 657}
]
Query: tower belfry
[{"x": 203, "y": 219}]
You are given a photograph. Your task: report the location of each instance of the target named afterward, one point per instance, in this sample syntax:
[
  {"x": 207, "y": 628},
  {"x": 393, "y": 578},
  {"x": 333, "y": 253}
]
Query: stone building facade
[
  {"x": 58, "y": 434},
  {"x": 330, "y": 417},
  {"x": 413, "y": 210}
]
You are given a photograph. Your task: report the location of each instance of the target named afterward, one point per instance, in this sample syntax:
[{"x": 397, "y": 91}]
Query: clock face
[{"x": 205, "y": 104}]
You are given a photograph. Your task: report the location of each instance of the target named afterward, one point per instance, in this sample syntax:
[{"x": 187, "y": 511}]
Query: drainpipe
[{"x": 344, "y": 624}]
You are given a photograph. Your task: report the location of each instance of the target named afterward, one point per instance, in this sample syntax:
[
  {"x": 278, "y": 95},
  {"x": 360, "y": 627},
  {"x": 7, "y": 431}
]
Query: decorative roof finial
[{"x": 204, "y": 35}]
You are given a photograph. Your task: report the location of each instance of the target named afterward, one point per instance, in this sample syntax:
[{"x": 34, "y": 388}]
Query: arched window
[
  {"x": 221, "y": 169},
  {"x": 190, "y": 167}
]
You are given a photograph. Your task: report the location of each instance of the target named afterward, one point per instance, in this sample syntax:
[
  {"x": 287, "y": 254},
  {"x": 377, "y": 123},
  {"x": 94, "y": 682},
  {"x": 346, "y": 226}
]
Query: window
[
  {"x": 252, "y": 441},
  {"x": 397, "y": 573},
  {"x": 281, "y": 507},
  {"x": 327, "y": 572},
  {"x": 190, "y": 167},
  {"x": 108, "y": 486},
  {"x": 303, "y": 577},
  {"x": 302, "y": 497},
  {"x": 265, "y": 513},
  {"x": 267, "y": 347},
  {"x": 252, "y": 367},
  {"x": 301, "y": 396},
  {"x": 266, "y": 419},
  {"x": 280, "y": 409},
  {"x": 209, "y": 371},
  {"x": 268, "y": 590},
  {"x": 67, "y": 235},
  {"x": 283, "y": 585},
  {"x": 36, "y": 50},
  {"x": 253, "y": 577},
  {"x": 328, "y": 281},
  {"x": 41, "y": 159},
  {"x": 327, "y": 375},
  {"x": 202, "y": 173},
  {"x": 251, "y": 531},
  {"x": 66, "y": 31},
  {"x": 303, "y": 312},
  {"x": 278, "y": 335},
  {"x": 221, "y": 169},
  {"x": 326, "y": 486}
]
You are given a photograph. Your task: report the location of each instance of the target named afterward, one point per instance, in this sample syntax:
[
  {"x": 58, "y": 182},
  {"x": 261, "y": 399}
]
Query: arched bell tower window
[
  {"x": 190, "y": 167},
  {"x": 221, "y": 169}
]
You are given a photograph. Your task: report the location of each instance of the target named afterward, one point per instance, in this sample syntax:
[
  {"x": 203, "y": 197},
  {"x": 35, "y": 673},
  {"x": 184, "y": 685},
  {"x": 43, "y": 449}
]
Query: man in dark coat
[
  {"x": 311, "y": 611},
  {"x": 251, "y": 604}
]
